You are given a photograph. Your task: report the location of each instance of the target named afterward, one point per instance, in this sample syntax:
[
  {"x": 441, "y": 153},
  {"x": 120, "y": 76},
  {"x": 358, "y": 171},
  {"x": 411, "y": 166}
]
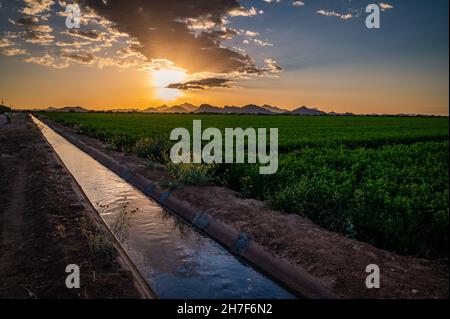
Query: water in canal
[{"x": 175, "y": 260}]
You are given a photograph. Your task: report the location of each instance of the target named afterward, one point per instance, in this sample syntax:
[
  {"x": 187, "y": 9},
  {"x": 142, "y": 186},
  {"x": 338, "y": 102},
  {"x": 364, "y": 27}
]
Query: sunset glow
[
  {"x": 161, "y": 79},
  {"x": 196, "y": 151},
  {"x": 283, "y": 53}
]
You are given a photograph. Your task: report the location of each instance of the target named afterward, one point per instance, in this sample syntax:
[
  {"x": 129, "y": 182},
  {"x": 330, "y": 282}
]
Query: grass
[
  {"x": 383, "y": 180},
  {"x": 98, "y": 239}
]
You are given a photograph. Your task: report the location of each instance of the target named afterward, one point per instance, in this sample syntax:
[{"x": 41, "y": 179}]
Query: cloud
[
  {"x": 385, "y": 6},
  {"x": 272, "y": 66},
  {"x": 141, "y": 34},
  {"x": 225, "y": 81},
  {"x": 80, "y": 58},
  {"x": 258, "y": 42},
  {"x": 249, "y": 33},
  {"x": 201, "y": 84},
  {"x": 174, "y": 21},
  {"x": 12, "y": 51},
  {"x": 72, "y": 43},
  {"x": 298, "y": 4},
  {"x": 47, "y": 60},
  {"x": 335, "y": 14},
  {"x": 32, "y": 30},
  {"x": 4, "y": 42},
  {"x": 36, "y": 7},
  {"x": 243, "y": 12},
  {"x": 90, "y": 35},
  {"x": 7, "y": 48},
  {"x": 41, "y": 38}
]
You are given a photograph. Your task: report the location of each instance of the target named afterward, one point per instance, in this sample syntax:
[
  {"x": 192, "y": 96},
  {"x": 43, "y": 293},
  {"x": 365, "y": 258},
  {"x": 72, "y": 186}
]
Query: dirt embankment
[
  {"x": 338, "y": 262},
  {"x": 42, "y": 220}
]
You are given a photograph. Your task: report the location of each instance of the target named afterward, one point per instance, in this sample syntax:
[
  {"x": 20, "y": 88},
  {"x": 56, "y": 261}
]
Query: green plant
[
  {"x": 98, "y": 239},
  {"x": 154, "y": 149},
  {"x": 121, "y": 224},
  {"x": 383, "y": 180},
  {"x": 191, "y": 174},
  {"x": 122, "y": 143}
]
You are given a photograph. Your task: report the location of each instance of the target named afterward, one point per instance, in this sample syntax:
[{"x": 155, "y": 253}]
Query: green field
[{"x": 383, "y": 180}]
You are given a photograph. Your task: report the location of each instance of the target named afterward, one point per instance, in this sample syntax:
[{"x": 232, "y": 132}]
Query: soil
[
  {"x": 336, "y": 261},
  {"x": 40, "y": 232}
]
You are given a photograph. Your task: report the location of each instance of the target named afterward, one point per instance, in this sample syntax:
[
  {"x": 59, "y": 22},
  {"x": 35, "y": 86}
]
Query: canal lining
[
  {"x": 140, "y": 283},
  {"x": 290, "y": 276}
]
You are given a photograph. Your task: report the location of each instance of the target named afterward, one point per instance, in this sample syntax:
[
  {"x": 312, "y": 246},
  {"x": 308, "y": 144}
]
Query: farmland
[{"x": 383, "y": 180}]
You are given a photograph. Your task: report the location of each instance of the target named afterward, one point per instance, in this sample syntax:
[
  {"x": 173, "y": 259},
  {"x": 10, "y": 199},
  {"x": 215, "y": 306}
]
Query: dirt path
[
  {"x": 337, "y": 261},
  {"x": 40, "y": 233}
]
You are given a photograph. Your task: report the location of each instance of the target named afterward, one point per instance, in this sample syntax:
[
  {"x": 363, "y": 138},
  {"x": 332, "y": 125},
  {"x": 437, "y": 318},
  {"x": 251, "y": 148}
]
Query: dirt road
[{"x": 45, "y": 225}]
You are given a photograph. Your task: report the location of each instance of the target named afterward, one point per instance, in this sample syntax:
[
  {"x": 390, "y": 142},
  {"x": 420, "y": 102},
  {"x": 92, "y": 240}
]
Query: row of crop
[
  {"x": 395, "y": 197},
  {"x": 373, "y": 189},
  {"x": 124, "y": 130}
]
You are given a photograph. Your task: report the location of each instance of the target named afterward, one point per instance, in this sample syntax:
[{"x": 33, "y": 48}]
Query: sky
[{"x": 140, "y": 54}]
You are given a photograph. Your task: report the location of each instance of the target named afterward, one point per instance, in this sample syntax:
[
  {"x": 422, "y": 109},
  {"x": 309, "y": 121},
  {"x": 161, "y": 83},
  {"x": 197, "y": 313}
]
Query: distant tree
[{"x": 4, "y": 109}]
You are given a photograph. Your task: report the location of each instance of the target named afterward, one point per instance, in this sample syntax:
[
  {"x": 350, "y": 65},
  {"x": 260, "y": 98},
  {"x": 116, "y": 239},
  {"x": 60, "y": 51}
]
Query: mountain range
[
  {"x": 76, "y": 109},
  {"x": 186, "y": 108},
  {"x": 247, "y": 109}
]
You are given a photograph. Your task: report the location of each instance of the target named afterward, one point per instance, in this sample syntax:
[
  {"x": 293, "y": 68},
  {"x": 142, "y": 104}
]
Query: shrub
[
  {"x": 122, "y": 143},
  {"x": 155, "y": 149},
  {"x": 191, "y": 174},
  {"x": 99, "y": 241}
]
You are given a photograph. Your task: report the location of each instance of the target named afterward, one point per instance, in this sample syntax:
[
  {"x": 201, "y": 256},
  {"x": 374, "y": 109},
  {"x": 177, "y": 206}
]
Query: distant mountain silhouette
[
  {"x": 76, "y": 109},
  {"x": 207, "y": 108},
  {"x": 176, "y": 109},
  {"x": 230, "y": 109},
  {"x": 163, "y": 108},
  {"x": 254, "y": 109},
  {"x": 189, "y": 107},
  {"x": 124, "y": 111},
  {"x": 265, "y": 109},
  {"x": 274, "y": 109},
  {"x": 151, "y": 110},
  {"x": 307, "y": 111},
  {"x": 247, "y": 109},
  {"x": 182, "y": 108}
]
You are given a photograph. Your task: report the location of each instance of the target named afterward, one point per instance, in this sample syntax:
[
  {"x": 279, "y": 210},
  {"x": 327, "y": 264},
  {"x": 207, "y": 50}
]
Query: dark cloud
[
  {"x": 25, "y": 21},
  {"x": 86, "y": 35},
  {"x": 80, "y": 58},
  {"x": 164, "y": 30},
  {"x": 201, "y": 84},
  {"x": 32, "y": 30}
]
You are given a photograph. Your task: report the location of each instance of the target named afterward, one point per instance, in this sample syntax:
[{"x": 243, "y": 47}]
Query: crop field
[{"x": 382, "y": 180}]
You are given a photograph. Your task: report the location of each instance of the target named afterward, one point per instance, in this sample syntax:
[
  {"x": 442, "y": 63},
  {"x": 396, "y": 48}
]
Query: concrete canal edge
[
  {"x": 145, "y": 291},
  {"x": 293, "y": 277}
]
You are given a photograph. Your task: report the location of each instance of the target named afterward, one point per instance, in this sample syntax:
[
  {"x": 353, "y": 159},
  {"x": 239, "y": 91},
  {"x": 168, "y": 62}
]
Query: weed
[
  {"x": 121, "y": 224},
  {"x": 98, "y": 239}
]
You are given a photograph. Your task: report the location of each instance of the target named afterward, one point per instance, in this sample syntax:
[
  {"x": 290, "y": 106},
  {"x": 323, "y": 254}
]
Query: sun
[{"x": 160, "y": 79}]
